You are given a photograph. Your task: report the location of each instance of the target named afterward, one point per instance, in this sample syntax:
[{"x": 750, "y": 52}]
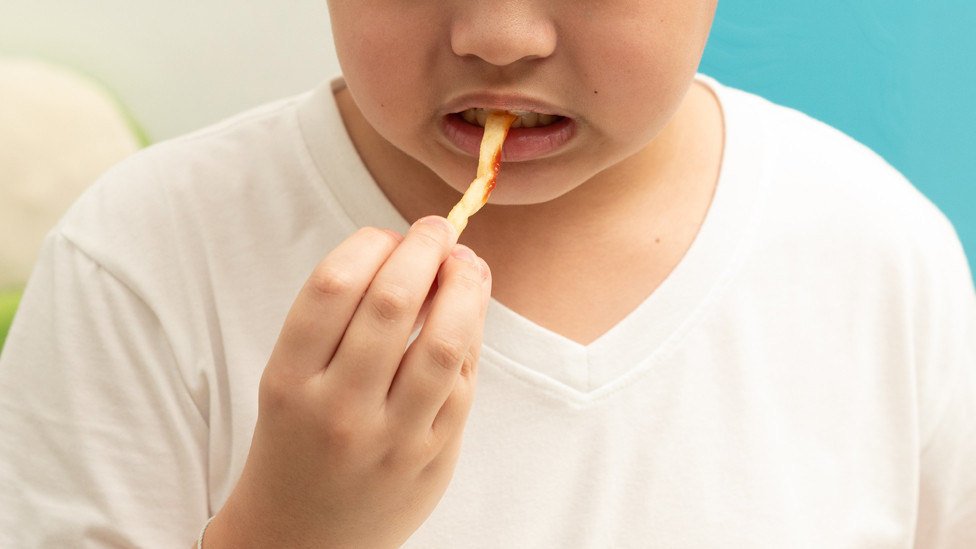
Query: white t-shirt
[{"x": 806, "y": 377}]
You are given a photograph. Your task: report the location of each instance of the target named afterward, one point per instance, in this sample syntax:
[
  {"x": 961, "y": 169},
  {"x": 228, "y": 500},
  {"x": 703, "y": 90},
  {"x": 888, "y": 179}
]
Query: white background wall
[{"x": 179, "y": 64}]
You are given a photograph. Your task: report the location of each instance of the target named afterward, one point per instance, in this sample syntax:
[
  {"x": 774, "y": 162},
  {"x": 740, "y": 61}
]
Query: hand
[{"x": 357, "y": 433}]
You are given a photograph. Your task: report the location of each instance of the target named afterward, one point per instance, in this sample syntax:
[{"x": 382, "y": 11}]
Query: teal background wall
[{"x": 898, "y": 75}]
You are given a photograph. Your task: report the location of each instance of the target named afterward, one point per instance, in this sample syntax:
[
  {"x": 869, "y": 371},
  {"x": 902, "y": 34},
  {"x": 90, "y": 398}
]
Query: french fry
[{"x": 489, "y": 163}]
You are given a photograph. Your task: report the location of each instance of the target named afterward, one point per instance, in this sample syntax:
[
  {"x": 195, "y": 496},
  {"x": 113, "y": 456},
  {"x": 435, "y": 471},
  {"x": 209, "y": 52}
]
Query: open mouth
[
  {"x": 525, "y": 119},
  {"x": 533, "y": 135}
]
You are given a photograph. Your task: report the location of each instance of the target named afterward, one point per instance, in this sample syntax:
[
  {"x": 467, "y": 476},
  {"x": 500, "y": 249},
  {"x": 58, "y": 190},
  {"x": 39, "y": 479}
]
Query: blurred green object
[{"x": 8, "y": 304}]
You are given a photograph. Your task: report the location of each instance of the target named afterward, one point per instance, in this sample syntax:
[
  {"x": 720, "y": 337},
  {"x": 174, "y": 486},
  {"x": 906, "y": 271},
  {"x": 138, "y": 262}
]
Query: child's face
[{"x": 606, "y": 76}]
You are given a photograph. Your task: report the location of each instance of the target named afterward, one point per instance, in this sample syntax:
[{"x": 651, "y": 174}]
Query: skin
[
  {"x": 356, "y": 440},
  {"x": 638, "y": 175}
]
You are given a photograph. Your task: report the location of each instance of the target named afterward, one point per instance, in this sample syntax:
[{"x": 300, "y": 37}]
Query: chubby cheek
[
  {"x": 636, "y": 82},
  {"x": 385, "y": 110},
  {"x": 384, "y": 71}
]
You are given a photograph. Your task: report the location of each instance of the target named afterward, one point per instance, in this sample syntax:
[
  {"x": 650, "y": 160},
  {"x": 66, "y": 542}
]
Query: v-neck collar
[
  {"x": 658, "y": 324},
  {"x": 633, "y": 345}
]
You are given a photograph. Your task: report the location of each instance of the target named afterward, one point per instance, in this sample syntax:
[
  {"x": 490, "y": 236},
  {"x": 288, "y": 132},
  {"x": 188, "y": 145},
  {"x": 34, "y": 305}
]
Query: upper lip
[{"x": 504, "y": 102}]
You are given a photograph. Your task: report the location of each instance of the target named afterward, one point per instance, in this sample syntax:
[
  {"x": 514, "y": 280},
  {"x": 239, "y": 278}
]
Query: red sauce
[
  {"x": 496, "y": 166},
  {"x": 488, "y": 188}
]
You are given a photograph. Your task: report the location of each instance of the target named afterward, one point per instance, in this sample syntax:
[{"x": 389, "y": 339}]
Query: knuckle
[
  {"x": 469, "y": 278},
  {"x": 469, "y": 366},
  {"x": 343, "y": 427},
  {"x": 447, "y": 351},
  {"x": 390, "y": 302},
  {"x": 410, "y": 449},
  {"x": 341, "y": 432},
  {"x": 403, "y": 456},
  {"x": 275, "y": 393},
  {"x": 332, "y": 280}
]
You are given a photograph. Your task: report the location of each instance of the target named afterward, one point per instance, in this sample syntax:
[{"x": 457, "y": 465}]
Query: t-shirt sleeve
[
  {"x": 103, "y": 445},
  {"x": 946, "y": 358}
]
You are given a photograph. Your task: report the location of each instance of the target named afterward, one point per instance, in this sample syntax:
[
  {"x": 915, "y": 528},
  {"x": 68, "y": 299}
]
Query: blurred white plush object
[{"x": 58, "y": 132}]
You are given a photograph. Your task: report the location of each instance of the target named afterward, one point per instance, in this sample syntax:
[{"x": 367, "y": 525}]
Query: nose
[{"x": 502, "y": 32}]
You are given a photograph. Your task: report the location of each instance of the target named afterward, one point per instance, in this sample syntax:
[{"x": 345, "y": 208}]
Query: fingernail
[
  {"x": 485, "y": 270},
  {"x": 465, "y": 253},
  {"x": 438, "y": 222},
  {"x": 394, "y": 234}
]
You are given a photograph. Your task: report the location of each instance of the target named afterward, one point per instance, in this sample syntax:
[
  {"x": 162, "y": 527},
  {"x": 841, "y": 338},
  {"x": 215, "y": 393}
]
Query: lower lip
[{"x": 522, "y": 144}]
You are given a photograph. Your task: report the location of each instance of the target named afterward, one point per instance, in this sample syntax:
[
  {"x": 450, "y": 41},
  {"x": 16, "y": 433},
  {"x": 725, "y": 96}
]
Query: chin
[
  {"x": 523, "y": 192},
  {"x": 519, "y": 183}
]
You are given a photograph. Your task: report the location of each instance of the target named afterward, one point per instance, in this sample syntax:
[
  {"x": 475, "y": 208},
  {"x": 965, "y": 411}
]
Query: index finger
[
  {"x": 320, "y": 313},
  {"x": 372, "y": 348}
]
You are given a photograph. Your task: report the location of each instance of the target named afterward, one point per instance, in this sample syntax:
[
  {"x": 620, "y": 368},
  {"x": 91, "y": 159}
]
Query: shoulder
[
  {"x": 183, "y": 188},
  {"x": 210, "y": 159},
  {"x": 825, "y": 188},
  {"x": 839, "y": 223},
  {"x": 809, "y": 157}
]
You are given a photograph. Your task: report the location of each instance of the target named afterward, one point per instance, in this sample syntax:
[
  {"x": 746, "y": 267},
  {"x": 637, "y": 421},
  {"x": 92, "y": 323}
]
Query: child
[{"x": 713, "y": 321}]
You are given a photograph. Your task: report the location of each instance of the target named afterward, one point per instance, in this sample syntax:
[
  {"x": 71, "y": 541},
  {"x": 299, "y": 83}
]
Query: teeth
[
  {"x": 546, "y": 119},
  {"x": 529, "y": 120},
  {"x": 526, "y": 119}
]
